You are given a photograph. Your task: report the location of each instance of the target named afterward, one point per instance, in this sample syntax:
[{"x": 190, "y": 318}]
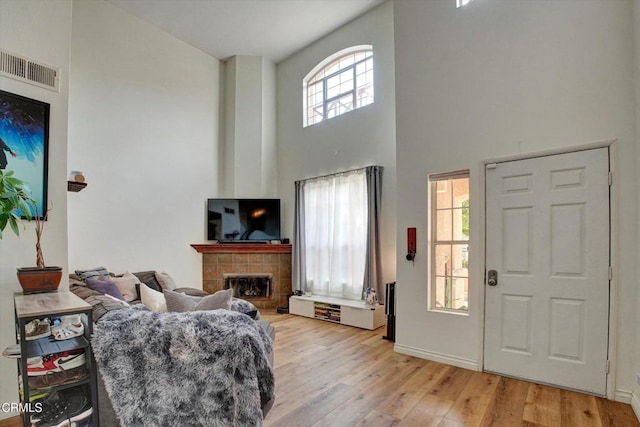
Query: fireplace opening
[{"x": 249, "y": 285}]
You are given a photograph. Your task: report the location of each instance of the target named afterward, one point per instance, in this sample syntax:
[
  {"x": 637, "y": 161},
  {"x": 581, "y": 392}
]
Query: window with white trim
[
  {"x": 341, "y": 83},
  {"x": 449, "y": 247}
]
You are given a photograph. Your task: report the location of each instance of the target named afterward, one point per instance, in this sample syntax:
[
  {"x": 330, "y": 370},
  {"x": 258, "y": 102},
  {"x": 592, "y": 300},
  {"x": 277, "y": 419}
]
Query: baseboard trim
[
  {"x": 635, "y": 404},
  {"x": 437, "y": 357},
  {"x": 623, "y": 396}
]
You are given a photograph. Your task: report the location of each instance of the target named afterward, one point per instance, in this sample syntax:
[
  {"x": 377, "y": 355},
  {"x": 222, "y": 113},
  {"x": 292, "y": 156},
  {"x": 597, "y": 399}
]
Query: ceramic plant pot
[{"x": 34, "y": 279}]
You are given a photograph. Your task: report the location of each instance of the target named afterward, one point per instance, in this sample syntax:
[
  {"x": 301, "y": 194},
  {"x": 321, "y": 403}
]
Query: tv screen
[{"x": 243, "y": 219}]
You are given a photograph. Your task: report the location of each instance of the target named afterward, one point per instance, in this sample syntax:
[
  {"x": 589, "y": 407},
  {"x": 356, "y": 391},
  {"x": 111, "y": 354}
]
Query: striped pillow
[{"x": 94, "y": 272}]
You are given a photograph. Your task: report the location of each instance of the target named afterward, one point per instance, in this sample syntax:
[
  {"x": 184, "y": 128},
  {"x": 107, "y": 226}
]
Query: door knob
[{"x": 492, "y": 278}]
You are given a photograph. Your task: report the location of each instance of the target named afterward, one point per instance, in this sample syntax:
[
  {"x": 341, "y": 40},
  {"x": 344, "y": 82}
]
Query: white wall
[
  {"x": 249, "y": 147},
  {"x": 360, "y": 138},
  {"x": 494, "y": 79},
  {"x": 143, "y": 127},
  {"x": 269, "y": 142},
  {"x": 636, "y": 27},
  {"x": 48, "y": 41}
]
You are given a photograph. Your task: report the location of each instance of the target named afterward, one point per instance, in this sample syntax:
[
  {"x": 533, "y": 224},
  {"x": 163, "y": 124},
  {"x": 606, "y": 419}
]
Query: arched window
[{"x": 340, "y": 83}]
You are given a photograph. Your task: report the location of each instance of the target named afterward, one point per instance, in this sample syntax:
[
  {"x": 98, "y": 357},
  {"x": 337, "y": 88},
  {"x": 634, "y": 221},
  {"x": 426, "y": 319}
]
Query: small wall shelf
[{"x": 75, "y": 186}]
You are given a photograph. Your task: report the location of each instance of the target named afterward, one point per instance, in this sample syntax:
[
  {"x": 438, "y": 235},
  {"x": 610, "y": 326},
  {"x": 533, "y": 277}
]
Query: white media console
[{"x": 345, "y": 312}]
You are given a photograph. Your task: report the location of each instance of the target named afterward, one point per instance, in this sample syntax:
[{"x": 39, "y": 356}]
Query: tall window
[
  {"x": 339, "y": 84},
  {"x": 335, "y": 230},
  {"x": 449, "y": 278}
]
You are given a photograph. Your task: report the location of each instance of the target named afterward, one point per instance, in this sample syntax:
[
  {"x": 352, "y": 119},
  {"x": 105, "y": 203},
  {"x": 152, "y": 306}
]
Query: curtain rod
[{"x": 339, "y": 173}]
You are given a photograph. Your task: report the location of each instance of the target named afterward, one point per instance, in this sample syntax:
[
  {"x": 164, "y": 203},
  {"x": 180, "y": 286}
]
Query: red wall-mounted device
[{"x": 411, "y": 243}]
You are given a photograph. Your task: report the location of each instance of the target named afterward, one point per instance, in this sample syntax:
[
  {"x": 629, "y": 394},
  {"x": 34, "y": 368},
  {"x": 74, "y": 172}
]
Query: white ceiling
[{"x": 273, "y": 29}]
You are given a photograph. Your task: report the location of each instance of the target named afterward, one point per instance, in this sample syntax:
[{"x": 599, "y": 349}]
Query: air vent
[{"x": 26, "y": 70}]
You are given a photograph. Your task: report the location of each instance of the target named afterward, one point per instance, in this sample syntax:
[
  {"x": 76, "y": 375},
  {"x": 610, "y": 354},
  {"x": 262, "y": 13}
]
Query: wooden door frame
[{"x": 611, "y": 145}]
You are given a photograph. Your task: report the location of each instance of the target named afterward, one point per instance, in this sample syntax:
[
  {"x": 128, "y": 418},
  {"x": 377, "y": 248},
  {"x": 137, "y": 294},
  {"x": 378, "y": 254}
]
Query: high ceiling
[{"x": 273, "y": 29}]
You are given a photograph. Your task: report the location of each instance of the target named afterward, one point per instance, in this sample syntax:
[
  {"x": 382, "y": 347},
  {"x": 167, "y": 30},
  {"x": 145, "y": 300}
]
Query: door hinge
[
  {"x": 610, "y": 273},
  {"x": 610, "y": 178},
  {"x": 608, "y": 366}
]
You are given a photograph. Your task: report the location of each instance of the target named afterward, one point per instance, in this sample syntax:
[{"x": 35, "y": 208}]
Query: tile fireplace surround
[{"x": 275, "y": 259}]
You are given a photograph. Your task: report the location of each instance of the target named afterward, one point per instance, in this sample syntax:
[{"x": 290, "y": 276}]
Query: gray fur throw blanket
[{"x": 201, "y": 368}]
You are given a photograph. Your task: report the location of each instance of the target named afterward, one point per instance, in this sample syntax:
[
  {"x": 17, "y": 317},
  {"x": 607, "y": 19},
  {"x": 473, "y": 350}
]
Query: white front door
[{"x": 547, "y": 239}]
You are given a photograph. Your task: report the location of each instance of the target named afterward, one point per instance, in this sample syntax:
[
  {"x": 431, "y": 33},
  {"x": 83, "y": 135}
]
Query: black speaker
[{"x": 390, "y": 311}]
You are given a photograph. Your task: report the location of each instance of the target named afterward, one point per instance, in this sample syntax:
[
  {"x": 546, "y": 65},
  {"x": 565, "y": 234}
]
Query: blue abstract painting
[{"x": 24, "y": 142}]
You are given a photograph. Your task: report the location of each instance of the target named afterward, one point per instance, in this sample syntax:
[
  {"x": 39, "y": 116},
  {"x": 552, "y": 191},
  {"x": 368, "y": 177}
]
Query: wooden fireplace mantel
[{"x": 236, "y": 248}]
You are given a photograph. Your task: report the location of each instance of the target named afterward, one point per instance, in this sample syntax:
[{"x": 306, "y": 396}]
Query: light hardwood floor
[{"x": 333, "y": 375}]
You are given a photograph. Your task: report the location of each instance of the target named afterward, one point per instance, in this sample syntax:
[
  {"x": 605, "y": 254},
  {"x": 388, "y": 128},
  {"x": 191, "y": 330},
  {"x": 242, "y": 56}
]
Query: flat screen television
[{"x": 237, "y": 220}]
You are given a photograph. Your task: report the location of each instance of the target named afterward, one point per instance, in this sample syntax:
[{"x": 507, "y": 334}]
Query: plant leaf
[
  {"x": 15, "y": 196},
  {"x": 14, "y": 225}
]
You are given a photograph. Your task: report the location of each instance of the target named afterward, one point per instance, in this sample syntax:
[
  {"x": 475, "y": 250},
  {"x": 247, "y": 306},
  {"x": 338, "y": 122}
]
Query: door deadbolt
[{"x": 492, "y": 278}]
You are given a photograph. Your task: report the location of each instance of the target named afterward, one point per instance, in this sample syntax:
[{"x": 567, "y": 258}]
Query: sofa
[{"x": 249, "y": 343}]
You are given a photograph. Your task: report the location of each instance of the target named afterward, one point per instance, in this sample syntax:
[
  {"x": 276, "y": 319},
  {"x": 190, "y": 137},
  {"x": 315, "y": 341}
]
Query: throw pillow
[
  {"x": 179, "y": 303},
  {"x": 244, "y": 306},
  {"x": 104, "y": 285},
  {"x": 165, "y": 281},
  {"x": 221, "y": 299},
  {"x": 102, "y": 304},
  {"x": 127, "y": 286},
  {"x": 149, "y": 279},
  {"x": 98, "y": 271},
  {"x": 191, "y": 292},
  {"x": 83, "y": 291},
  {"x": 153, "y": 300},
  {"x": 123, "y": 303}
]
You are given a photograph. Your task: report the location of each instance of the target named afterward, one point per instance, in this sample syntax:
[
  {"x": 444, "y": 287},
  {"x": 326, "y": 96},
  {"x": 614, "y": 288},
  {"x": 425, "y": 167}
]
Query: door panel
[
  {"x": 516, "y": 310},
  {"x": 567, "y": 330},
  {"x": 517, "y": 248},
  {"x": 547, "y": 233},
  {"x": 567, "y": 240}
]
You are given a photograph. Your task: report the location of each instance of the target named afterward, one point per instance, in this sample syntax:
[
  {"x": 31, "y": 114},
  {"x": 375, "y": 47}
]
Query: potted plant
[{"x": 16, "y": 200}]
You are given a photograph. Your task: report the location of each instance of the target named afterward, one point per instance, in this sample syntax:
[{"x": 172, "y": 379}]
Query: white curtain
[{"x": 335, "y": 230}]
